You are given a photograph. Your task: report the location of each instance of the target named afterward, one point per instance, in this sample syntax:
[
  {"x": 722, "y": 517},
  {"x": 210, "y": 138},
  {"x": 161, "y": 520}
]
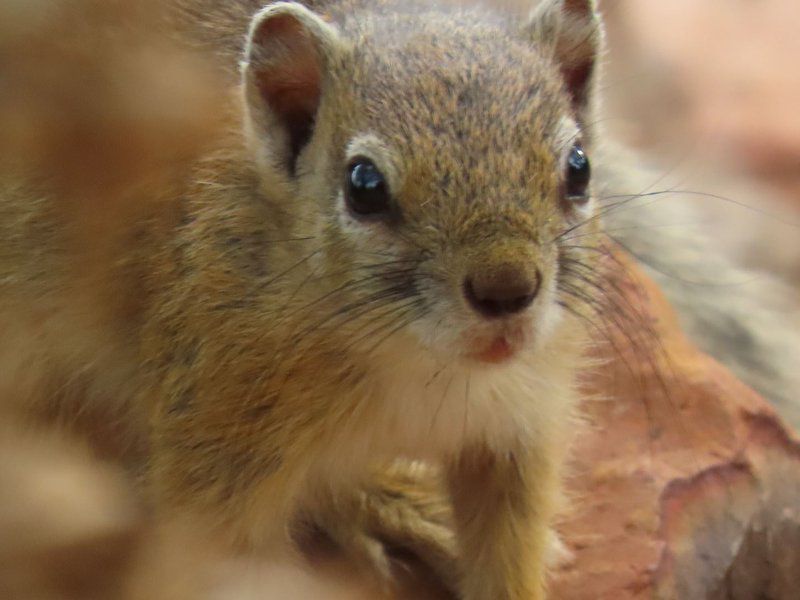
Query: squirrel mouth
[{"x": 501, "y": 349}]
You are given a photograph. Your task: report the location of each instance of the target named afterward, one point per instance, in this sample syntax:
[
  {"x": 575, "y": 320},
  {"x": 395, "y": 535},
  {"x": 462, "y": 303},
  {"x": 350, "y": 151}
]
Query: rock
[{"x": 686, "y": 485}]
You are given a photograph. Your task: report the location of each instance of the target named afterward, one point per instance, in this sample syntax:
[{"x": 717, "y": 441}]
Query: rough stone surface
[{"x": 685, "y": 484}]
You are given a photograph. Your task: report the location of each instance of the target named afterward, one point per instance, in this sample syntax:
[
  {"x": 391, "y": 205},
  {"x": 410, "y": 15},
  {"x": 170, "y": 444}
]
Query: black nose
[{"x": 502, "y": 291}]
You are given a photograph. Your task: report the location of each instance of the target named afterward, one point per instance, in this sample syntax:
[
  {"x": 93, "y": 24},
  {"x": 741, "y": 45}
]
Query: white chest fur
[{"x": 416, "y": 409}]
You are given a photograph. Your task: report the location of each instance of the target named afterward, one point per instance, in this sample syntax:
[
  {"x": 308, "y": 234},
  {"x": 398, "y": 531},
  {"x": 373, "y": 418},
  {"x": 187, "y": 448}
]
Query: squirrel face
[{"x": 440, "y": 158}]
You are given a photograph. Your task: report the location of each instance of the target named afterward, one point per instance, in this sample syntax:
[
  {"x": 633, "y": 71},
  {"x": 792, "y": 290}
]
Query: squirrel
[
  {"x": 379, "y": 275},
  {"x": 379, "y": 282}
]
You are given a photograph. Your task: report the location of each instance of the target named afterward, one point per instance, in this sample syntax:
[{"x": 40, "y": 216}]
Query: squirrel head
[{"x": 440, "y": 156}]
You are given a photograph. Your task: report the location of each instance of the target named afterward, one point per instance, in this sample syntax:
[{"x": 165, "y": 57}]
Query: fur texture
[
  {"x": 269, "y": 352},
  {"x": 299, "y": 346}
]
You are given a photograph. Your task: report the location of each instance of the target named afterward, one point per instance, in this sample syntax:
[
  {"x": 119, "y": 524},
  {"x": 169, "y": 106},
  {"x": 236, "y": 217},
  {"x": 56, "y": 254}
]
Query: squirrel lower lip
[{"x": 499, "y": 351}]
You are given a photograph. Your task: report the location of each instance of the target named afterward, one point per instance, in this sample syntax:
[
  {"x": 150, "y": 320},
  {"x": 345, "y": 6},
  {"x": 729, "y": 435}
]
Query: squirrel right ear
[
  {"x": 288, "y": 50},
  {"x": 574, "y": 32}
]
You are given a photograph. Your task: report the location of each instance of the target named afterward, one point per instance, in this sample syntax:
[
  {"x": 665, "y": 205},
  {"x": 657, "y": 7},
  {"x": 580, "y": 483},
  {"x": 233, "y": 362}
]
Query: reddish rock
[{"x": 686, "y": 484}]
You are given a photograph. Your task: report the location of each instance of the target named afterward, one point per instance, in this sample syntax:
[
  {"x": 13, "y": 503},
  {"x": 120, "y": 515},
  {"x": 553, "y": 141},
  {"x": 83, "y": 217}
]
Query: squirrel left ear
[
  {"x": 289, "y": 49},
  {"x": 573, "y": 30}
]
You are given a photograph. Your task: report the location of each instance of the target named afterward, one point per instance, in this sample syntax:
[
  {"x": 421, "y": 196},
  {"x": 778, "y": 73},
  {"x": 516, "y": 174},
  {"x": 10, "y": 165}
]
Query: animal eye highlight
[
  {"x": 578, "y": 175},
  {"x": 366, "y": 190}
]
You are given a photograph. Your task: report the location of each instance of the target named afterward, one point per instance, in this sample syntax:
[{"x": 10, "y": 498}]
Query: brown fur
[{"x": 277, "y": 353}]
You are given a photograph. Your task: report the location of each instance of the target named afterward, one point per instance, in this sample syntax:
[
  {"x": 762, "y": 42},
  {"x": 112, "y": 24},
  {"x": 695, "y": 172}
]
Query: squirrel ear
[
  {"x": 574, "y": 32},
  {"x": 287, "y": 53}
]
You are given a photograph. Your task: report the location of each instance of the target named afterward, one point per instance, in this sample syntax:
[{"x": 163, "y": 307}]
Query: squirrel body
[
  {"x": 266, "y": 341},
  {"x": 268, "y": 348},
  {"x": 297, "y": 347}
]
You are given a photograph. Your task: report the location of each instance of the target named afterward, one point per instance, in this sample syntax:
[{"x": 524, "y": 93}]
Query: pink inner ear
[
  {"x": 578, "y": 61},
  {"x": 291, "y": 87},
  {"x": 288, "y": 73},
  {"x": 577, "y": 79}
]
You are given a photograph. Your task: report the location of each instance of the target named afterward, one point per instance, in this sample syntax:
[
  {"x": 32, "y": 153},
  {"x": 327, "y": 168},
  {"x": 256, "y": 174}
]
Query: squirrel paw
[
  {"x": 398, "y": 523},
  {"x": 368, "y": 553}
]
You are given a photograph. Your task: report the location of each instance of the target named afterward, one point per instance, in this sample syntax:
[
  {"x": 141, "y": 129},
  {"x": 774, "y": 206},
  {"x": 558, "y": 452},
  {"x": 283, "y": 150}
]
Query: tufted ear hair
[
  {"x": 289, "y": 49},
  {"x": 573, "y": 30}
]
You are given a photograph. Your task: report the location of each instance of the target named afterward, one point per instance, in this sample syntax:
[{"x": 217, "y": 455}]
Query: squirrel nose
[{"x": 502, "y": 291}]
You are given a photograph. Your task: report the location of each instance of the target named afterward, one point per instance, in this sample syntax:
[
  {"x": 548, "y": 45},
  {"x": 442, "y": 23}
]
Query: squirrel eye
[
  {"x": 366, "y": 192},
  {"x": 578, "y": 175}
]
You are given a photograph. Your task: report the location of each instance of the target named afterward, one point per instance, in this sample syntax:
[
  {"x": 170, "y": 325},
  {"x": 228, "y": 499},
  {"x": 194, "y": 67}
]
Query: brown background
[{"x": 711, "y": 90}]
